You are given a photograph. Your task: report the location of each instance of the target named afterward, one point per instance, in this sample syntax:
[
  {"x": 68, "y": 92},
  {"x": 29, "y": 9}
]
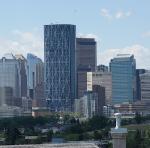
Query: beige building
[{"x": 103, "y": 79}]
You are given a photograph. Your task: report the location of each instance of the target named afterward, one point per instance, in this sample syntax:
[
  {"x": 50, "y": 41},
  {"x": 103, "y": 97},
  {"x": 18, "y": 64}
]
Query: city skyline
[{"x": 118, "y": 26}]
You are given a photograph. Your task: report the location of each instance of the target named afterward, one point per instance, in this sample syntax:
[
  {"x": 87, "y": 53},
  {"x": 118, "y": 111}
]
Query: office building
[
  {"x": 35, "y": 76},
  {"x": 138, "y": 82},
  {"x": 86, "y": 54},
  {"x": 60, "y": 69},
  {"x": 123, "y": 69},
  {"x": 100, "y": 101},
  {"x": 84, "y": 84},
  {"x": 104, "y": 79},
  {"x": 86, "y": 105},
  {"x": 102, "y": 68},
  {"x": 145, "y": 87},
  {"x": 23, "y": 74},
  {"x": 10, "y": 86}
]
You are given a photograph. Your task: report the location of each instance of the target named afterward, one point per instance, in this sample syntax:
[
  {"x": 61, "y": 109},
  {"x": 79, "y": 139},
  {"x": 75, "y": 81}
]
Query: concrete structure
[
  {"x": 60, "y": 69},
  {"x": 145, "y": 87},
  {"x": 138, "y": 82},
  {"x": 64, "y": 145},
  {"x": 118, "y": 134},
  {"x": 123, "y": 69},
  {"x": 104, "y": 79},
  {"x": 102, "y": 68},
  {"x": 86, "y": 54}
]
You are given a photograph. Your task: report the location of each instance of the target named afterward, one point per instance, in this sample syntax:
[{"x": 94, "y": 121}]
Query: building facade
[
  {"x": 138, "y": 82},
  {"x": 86, "y": 53},
  {"x": 60, "y": 69},
  {"x": 100, "y": 101},
  {"x": 84, "y": 84},
  {"x": 86, "y": 105},
  {"x": 123, "y": 69},
  {"x": 104, "y": 79},
  {"x": 23, "y": 74},
  {"x": 35, "y": 75},
  {"x": 9, "y": 80},
  {"x": 145, "y": 87}
]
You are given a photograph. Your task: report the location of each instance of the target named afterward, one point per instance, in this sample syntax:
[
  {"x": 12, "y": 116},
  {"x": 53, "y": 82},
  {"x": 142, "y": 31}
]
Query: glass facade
[
  {"x": 34, "y": 73},
  {"x": 59, "y": 56},
  {"x": 123, "y": 68},
  {"x": 9, "y": 78}
]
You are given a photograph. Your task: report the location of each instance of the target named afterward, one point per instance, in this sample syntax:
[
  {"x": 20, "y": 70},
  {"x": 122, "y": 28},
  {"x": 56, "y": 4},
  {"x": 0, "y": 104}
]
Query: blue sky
[{"x": 118, "y": 25}]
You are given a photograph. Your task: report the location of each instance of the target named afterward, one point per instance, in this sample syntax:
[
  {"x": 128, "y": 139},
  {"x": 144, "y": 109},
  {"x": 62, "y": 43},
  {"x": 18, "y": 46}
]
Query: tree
[
  {"x": 49, "y": 135},
  {"x": 138, "y": 118}
]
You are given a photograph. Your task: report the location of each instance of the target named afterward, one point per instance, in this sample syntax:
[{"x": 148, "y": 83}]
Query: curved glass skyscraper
[{"x": 59, "y": 56}]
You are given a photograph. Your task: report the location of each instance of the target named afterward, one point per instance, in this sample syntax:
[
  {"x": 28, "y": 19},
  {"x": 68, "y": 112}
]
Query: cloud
[
  {"x": 140, "y": 52},
  {"x": 121, "y": 14},
  {"x": 146, "y": 34},
  {"x": 105, "y": 13},
  {"x": 22, "y": 43},
  {"x": 117, "y": 15}
]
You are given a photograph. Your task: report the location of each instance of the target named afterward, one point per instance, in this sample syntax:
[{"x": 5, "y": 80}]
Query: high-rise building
[
  {"x": 86, "y": 54},
  {"x": 60, "y": 70},
  {"x": 100, "y": 101},
  {"x": 86, "y": 61},
  {"x": 104, "y": 79},
  {"x": 86, "y": 105},
  {"x": 123, "y": 69},
  {"x": 23, "y": 74},
  {"x": 10, "y": 86},
  {"x": 138, "y": 83},
  {"x": 145, "y": 87},
  {"x": 35, "y": 74},
  {"x": 84, "y": 84}
]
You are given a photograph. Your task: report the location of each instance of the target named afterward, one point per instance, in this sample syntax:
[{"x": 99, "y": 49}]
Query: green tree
[{"x": 138, "y": 118}]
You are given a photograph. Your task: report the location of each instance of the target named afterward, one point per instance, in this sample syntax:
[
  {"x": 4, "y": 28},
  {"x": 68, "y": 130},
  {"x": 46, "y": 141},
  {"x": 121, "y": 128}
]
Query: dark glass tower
[{"x": 59, "y": 56}]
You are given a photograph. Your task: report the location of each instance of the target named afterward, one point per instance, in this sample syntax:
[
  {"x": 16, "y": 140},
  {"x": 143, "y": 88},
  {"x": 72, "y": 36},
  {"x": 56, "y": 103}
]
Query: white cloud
[
  {"x": 140, "y": 52},
  {"x": 105, "y": 13},
  {"x": 117, "y": 15},
  {"x": 22, "y": 43},
  {"x": 146, "y": 34},
  {"x": 121, "y": 14}
]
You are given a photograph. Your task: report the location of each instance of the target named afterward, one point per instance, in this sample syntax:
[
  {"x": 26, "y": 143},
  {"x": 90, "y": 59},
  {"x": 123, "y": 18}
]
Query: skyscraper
[
  {"x": 10, "y": 87},
  {"x": 86, "y": 54},
  {"x": 35, "y": 73},
  {"x": 123, "y": 69},
  {"x": 23, "y": 74},
  {"x": 60, "y": 70},
  {"x": 86, "y": 61}
]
